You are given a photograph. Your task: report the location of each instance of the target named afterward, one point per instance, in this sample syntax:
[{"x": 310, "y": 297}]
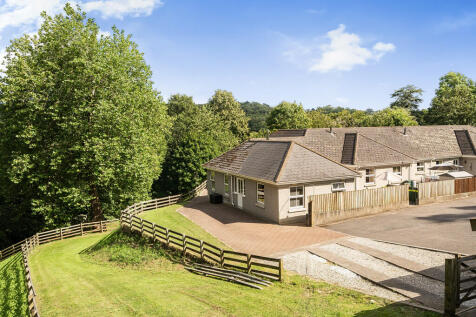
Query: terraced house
[{"x": 272, "y": 177}]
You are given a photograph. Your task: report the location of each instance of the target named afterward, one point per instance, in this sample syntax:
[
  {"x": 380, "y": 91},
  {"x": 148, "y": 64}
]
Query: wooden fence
[
  {"x": 336, "y": 206},
  {"x": 270, "y": 268},
  {"x": 26, "y": 248},
  {"x": 460, "y": 284},
  {"x": 431, "y": 190},
  {"x": 465, "y": 185}
]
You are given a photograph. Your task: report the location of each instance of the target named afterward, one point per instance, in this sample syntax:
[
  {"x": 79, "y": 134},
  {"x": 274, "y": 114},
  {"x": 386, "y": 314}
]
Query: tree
[
  {"x": 83, "y": 130},
  {"x": 229, "y": 112},
  {"x": 392, "y": 117},
  {"x": 355, "y": 118},
  {"x": 455, "y": 101},
  {"x": 198, "y": 136},
  {"x": 318, "y": 119},
  {"x": 257, "y": 113},
  {"x": 408, "y": 97},
  {"x": 287, "y": 115},
  {"x": 179, "y": 103}
]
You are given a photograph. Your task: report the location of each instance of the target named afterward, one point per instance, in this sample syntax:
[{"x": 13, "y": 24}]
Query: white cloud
[
  {"x": 120, "y": 8},
  {"x": 25, "y": 14},
  {"x": 466, "y": 20},
  {"x": 336, "y": 51},
  {"x": 345, "y": 51}
]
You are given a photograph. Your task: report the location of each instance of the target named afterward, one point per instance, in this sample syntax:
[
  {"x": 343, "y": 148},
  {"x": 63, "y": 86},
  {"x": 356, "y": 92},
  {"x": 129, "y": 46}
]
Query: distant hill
[{"x": 257, "y": 112}]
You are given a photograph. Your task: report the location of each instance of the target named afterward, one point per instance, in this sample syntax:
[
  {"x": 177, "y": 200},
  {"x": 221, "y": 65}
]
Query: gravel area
[
  {"x": 425, "y": 257},
  {"x": 392, "y": 271},
  {"x": 315, "y": 267}
]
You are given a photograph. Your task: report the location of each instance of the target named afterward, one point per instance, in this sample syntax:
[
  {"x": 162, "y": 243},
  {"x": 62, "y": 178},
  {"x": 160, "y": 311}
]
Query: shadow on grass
[
  {"x": 396, "y": 309},
  {"x": 13, "y": 293}
]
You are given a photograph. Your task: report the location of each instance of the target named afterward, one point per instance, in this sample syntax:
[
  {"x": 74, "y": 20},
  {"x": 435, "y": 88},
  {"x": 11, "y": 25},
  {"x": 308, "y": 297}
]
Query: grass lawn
[
  {"x": 123, "y": 275},
  {"x": 13, "y": 293},
  {"x": 168, "y": 217}
]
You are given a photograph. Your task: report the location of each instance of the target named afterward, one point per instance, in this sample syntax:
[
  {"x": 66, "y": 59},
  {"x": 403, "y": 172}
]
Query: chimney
[{"x": 405, "y": 131}]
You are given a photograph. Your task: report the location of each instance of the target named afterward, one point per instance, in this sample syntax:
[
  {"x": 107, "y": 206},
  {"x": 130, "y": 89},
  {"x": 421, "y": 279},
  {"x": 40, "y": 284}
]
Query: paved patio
[{"x": 245, "y": 233}]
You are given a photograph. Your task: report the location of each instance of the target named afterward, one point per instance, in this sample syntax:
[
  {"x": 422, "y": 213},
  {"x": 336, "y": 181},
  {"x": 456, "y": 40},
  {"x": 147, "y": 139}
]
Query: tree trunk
[{"x": 96, "y": 210}]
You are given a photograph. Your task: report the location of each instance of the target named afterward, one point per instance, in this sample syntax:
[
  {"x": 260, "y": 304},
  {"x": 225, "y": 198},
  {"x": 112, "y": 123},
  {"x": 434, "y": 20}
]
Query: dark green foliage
[
  {"x": 408, "y": 97},
  {"x": 455, "y": 101},
  {"x": 229, "y": 112},
  {"x": 257, "y": 113},
  {"x": 198, "y": 135},
  {"x": 179, "y": 103},
  {"x": 13, "y": 292},
  {"x": 287, "y": 115},
  {"x": 83, "y": 130}
]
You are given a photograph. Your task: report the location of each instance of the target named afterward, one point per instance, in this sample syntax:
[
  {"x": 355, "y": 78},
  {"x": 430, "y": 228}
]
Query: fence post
[
  {"x": 280, "y": 270},
  {"x": 61, "y": 233},
  {"x": 451, "y": 286},
  {"x": 141, "y": 226},
  {"x": 169, "y": 200},
  {"x": 153, "y": 232},
  {"x": 201, "y": 250},
  {"x": 184, "y": 241},
  {"x": 222, "y": 258},
  {"x": 100, "y": 226},
  {"x": 248, "y": 263},
  {"x": 167, "y": 235}
]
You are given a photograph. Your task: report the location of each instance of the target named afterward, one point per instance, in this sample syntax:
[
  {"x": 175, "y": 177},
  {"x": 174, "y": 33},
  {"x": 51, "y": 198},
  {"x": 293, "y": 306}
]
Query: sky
[{"x": 342, "y": 53}]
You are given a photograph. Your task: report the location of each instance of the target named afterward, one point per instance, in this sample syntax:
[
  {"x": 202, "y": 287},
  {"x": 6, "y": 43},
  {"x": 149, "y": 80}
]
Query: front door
[{"x": 240, "y": 192}]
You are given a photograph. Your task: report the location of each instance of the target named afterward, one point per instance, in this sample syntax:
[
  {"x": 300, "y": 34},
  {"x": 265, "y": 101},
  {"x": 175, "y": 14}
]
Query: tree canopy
[
  {"x": 287, "y": 115},
  {"x": 83, "y": 130},
  {"x": 408, "y": 97},
  {"x": 178, "y": 104},
  {"x": 257, "y": 113},
  {"x": 229, "y": 112},
  {"x": 454, "y": 101}
]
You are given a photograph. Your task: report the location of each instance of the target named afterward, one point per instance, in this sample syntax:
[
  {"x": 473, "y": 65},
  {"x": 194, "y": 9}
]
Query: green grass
[
  {"x": 118, "y": 274},
  {"x": 13, "y": 293},
  {"x": 169, "y": 217}
]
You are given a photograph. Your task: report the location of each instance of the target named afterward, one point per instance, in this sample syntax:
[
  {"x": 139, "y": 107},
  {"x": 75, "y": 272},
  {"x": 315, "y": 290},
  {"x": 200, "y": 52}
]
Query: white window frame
[
  {"x": 456, "y": 162},
  {"x": 236, "y": 187},
  {"x": 226, "y": 184},
  {"x": 420, "y": 167},
  {"x": 398, "y": 172},
  {"x": 212, "y": 181},
  {"x": 339, "y": 188},
  {"x": 370, "y": 175},
  {"x": 300, "y": 207},
  {"x": 258, "y": 193}
]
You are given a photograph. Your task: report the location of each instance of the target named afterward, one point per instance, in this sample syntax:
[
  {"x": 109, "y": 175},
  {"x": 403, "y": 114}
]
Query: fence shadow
[{"x": 441, "y": 218}]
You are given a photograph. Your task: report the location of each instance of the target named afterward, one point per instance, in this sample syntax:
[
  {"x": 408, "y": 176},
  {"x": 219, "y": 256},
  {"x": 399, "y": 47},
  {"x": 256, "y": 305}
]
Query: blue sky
[{"x": 346, "y": 53}]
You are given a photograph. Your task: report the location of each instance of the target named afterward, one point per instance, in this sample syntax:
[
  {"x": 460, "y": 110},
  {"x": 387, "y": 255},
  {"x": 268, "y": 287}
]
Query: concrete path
[
  {"x": 245, "y": 233},
  {"x": 442, "y": 226}
]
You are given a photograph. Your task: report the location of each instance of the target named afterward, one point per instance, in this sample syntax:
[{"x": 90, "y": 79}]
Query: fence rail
[
  {"x": 267, "y": 267},
  {"x": 331, "y": 207}
]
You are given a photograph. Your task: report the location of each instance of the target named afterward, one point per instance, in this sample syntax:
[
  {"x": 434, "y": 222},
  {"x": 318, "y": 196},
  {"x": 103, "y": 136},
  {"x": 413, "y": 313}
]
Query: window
[
  {"x": 370, "y": 176},
  {"x": 397, "y": 170},
  {"x": 420, "y": 167},
  {"x": 240, "y": 186},
  {"x": 455, "y": 162},
  {"x": 226, "y": 184},
  {"x": 338, "y": 187},
  {"x": 296, "y": 198},
  {"x": 438, "y": 162},
  {"x": 212, "y": 180},
  {"x": 260, "y": 194}
]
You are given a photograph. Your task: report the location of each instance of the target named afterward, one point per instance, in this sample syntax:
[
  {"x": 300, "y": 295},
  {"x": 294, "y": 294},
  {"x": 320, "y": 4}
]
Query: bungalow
[{"x": 272, "y": 178}]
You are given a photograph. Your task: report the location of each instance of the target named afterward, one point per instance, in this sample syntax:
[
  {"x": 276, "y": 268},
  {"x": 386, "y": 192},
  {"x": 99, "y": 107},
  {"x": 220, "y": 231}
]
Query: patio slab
[{"x": 245, "y": 233}]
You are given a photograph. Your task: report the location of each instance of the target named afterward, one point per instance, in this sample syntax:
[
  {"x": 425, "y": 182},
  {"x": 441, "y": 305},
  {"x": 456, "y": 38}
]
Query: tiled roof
[
  {"x": 279, "y": 162},
  {"x": 388, "y": 145}
]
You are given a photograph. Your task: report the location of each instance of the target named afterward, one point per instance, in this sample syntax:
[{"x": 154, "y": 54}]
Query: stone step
[
  {"x": 409, "y": 265},
  {"x": 396, "y": 284}
]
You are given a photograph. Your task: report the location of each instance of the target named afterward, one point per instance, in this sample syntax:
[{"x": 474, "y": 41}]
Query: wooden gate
[
  {"x": 465, "y": 185},
  {"x": 460, "y": 283}
]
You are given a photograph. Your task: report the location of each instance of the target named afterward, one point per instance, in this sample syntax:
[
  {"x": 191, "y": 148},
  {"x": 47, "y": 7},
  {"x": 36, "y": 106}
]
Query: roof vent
[
  {"x": 348, "y": 150},
  {"x": 464, "y": 141}
]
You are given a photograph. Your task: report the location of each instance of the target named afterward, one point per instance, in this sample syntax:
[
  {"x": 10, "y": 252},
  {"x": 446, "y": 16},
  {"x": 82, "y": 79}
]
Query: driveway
[
  {"x": 442, "y": 226},
  {"x": 245, "y": 233}
]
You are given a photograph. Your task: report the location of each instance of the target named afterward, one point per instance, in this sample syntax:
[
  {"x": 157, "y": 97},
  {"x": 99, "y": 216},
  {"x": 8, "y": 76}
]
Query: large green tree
[
  {"x": 319, "y": 119},
  {"x": 82, "y": 129},
  {"x": 455, "y": 101},
  {"x": 391, "y": 117},
  {"x": 287, "y": 115},
  {"x": 178, "y": 104},
  {"x": 198, "y": 135},
  {"x": 408, "y": 97},
  {"x": 257, "y": 113},
  {"x": 229, "y": 111}
]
